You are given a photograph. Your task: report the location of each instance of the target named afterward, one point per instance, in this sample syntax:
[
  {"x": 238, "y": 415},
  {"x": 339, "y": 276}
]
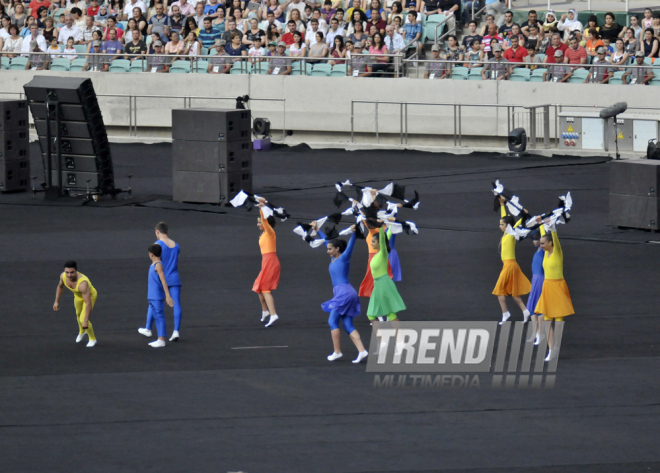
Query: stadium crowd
[{"x": 355, "y": 37}]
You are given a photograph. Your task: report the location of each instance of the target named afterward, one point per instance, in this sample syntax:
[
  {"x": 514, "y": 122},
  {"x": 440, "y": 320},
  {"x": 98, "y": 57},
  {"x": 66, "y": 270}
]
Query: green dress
[{"x": 385, "y": 298}]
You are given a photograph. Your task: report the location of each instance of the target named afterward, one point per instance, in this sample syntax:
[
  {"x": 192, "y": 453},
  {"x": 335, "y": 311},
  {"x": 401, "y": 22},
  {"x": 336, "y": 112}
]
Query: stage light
[
  {"x": 241, "y": 101},
  {"x": 517, "y": 140}
]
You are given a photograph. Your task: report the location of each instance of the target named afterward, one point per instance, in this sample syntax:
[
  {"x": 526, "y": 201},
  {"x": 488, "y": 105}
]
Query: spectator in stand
[
  {"x": 36, "y": 62},
  {"x": 290, "y": 5},
  {"x": 19, "y": 17},
  {"x": 159, "y": 64},
  {"x": 647, "y": 21},
  {"x": 288, "y": 36},
  {"x": 490, "y": 20},
  {"x": 54, "y": 49},
  {"x": 600, "y": 72},
  {"x": 236, "y": 48},
  {"x": 355, "y": 5},
  {"x": 60, "y": 24},
  {"x": 185, "y": 8},
  {"x": 608, "y": 46},
  {"x": 89, "y": 29},
  {"x": 413, "y": 34},
  {"x": 334, "y": 32},
  {"x": 393, "y": 40},
  {"x": 42, "y": 14},
  {"x": 338, "y": 51},
  {"x": 298, "y": 48},
  {"x": 220, "y": 21},
  {"x": 534, "y": 36},
  {"x": 532, "y": 20},
  {"x": 358, "y": 17},
  {"x": 306, "y": 16},
  {"x": 453, "y": 52},
  {"x": 93, "y": 9},
  {"x": 592, "y": 23},
  {"x": 112, "y": 46},
  {"x": 634, "y": 26},
  {"x": 515, "y": 31},
  {"x": 505, "y": 29},
  {"x": 318, "y": 49},
  {"x": 372, "y": 5},
  {"x": 323, "y": 26},
  {"x": 158, "y": 21},
  {"x": 467, "y": 10},
  {"x": 556, "y": 45},
  {"x": 112, "y": 25},
  {"x": 191, "y": 46},
  {"x": 26, "y": 29},
  {"x": 270, "y": 20},
  {"x": 655, "y": 24},
  {"x": 78, "y": 17},
  {"x": 516, "y": 53},
  {"x": 49, "y": 30},
  {"x": 310, "y": 36},
  {"x": 497, "y": 67},
  {"x": 610, "y": 29},
  {"x": 358, "y": 34},
  {"x": 434, "y": 68},
  {"x": 450, "y": 8},
  {"x": 550, "y": 23},
  {"x": 379, "y": 60},
  {"x": 33, "y": 8},
  {"x": 396, "y": 12},
  {"x": 398, "y": 28},
  {"x": 327, "y": 12},
  {"x": 593, "y": 42},
  {"x": 220, "y": 63},
  {"x": 280, "y": 64},
  {"x": 199, "y": 16},
  {"x": 274, "y": 7},
  {"x": 13, "y": 43},
  {"x": 128, "y": 8},
  {"x": 492, "y": 34},
  {"x": 95, "y": 62},
  {"x": 189, "y": 25},
  {"x": 376, "y": 20},
  {"x": 577, "y": 34},
  {"x": 559, "y": 71},
  {"x": 69, "y": 30},
  {"x": 471, "y": 36},
  {"x": 174, "y": 46},
  {"x": 256, "y": 52},
  {"x": 97, "y": 35},
  {"x": 496, "y": 8},
  {"x": 575, "y": 54},
  {"x": 531, "y": 61},
  {"x": 102, "y": 17},
  {"x": 360, "y": 65},
  {"x": 640, "y": 74},
  {"x": 343, "y": 24},
  {"x": 569, "y": 22},
  {"x": 209, "y": 34},
  {"x": 272, "y": 34},
  {"x": 485, "y": 56},
  {"x": 272, "y": 48},
  {"x": 300, "y": 25},
  {"x": 177, "y": 19},
  {"x": 136, "y": 46},
  {"x": 474, "y": 54},
  {"x": 620, "y": 56},
  {"x": 631, "y": 44},
  {"x": 34, "y": 36},
  {"x": 231, "y": 31}
]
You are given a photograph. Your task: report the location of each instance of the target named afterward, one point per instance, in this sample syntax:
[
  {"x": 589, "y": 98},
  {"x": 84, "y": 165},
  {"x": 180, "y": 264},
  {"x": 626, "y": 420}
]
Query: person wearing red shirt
[
  {"x": 515, "y": 53},
  {"x": 94, "y": 9},
  {"x": 34, "y": 6},
  {"x": 492, "y": 33},
  {"x": 576, "y": 54},
  {"x": 554, "y": 46},
  {"x": 288, "y": 36}
]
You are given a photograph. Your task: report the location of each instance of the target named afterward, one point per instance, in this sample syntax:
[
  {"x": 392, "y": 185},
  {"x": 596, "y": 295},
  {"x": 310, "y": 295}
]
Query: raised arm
[
  {"x": 555, "y": 244},
  {"x": 391, "y": 237},
  {"x": 264, "y": 221},
  {"x": 382, "y": 239},
  {"x": 348, "y": 252}
]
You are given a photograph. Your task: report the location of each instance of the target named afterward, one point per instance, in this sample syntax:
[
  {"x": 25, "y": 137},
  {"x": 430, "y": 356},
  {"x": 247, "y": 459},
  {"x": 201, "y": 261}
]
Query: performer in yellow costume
[{"x": 84, "y": 299}]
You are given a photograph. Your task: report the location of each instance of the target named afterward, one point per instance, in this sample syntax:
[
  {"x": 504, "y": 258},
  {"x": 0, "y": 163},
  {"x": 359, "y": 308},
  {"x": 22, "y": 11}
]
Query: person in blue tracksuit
[{"x": 158, "y": 294}]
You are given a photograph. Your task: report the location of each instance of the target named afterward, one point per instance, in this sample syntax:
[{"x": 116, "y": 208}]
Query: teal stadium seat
[{"x": 120, "y": 65}]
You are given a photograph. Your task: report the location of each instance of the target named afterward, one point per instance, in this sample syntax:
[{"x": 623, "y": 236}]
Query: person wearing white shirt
[
  {"x": 323, "y": 26},
  {"x": 310, "y": 36},
  {"x": 128, "y": 9},
  {"x": 69, "y": 30},
  {"x": 333, "y": 31},
  {"x": 294, "y": 4},
  {"x": 393, "y": 40},
  {"x": 34, "y": 35}
]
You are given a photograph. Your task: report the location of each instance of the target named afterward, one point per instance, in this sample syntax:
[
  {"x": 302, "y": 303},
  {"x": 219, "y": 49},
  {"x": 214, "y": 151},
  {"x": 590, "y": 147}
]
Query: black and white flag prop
[{"x": 250, "y": 200}]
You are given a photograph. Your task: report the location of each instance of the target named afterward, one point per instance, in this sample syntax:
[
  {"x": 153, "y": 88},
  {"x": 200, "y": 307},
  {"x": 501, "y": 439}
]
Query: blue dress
[
  {"x": 394, "y": 258},
  {"x": 538, "y": 276},
  {"x": 345, "y": 301}
]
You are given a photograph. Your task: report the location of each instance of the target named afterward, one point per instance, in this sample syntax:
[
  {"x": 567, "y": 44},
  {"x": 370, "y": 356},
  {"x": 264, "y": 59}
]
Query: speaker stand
[{"x": 53, "y": 192}]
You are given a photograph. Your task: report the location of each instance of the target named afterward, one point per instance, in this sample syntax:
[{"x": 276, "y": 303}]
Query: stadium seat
[
  {"x": 18, "y": 63},
  {"x": 578, "y": 77},
  {"x": 339, "y": 70},
  {"x": 60, "y": 64},
  {"x": 138, "y": 66},
  {"x": 617, "y": 78},
  {"x": 321, "y": 69},
  {"x": 77, "y": 65},
  {"x": 180, "y": 67},
  {"x": 537, "y": 75},
  {"x": 122, "y": 25},
  {"x": 429, "y": 32},
  {"x": 80, "y": 48},
  {"x": 437, "y": 18},
  {"x": 260, "y": 68},
  {"x": 648, "y": 60},
  {"x": 541, "y": 57},
  {"x": 241, "y": 67},
  {"x": 120, "y": 65},
  {"x": 459, "y": 73},
  {"x": 297, "y": 69},
  {"x": 475, "y": 73},
  {"x": 213, "y": 52},
  {"x": 4, "y": 62},
  {"x": 518, "y": 77},
  {"x": 205, "y": 51},
  {"x": 655, "y": 81},
  {"x": 200, "y": 67}
]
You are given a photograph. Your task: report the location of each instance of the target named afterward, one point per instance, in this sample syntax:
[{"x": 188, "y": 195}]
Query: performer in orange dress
[{"x": 269, "y": 277}]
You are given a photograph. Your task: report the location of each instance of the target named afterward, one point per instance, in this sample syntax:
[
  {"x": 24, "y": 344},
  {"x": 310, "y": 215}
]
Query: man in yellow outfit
[{"x": 84, "y": 298}]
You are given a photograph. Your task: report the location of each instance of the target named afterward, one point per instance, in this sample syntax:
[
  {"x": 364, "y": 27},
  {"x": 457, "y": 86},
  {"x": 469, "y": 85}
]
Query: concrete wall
[{"x": 321, "y": 106}]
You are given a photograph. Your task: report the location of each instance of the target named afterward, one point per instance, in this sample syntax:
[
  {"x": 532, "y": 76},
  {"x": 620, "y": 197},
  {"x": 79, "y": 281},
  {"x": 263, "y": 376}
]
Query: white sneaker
[
  {"x": 144, "y": 331},
  {"x": 91, "y": 343},
  {"x": 157, "y": 344},
  {"x": 334, "y": 356},
  {"x": 538, "y": 339},
  {"x": 361, "y": 356},
  {"x": 550, "y": 356},
  {"x": 505, "y": 317},
  {"x": 264, "y": 315},
  {"x": 526, "y": 315},
  {"x": 175, "y": 336},
  {"x": 272, "y": 320},
  {"x": 80, "y": 337}
]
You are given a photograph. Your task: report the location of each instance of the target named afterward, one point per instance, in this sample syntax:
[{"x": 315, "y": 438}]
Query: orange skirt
[
  {"x": 512, "y": 281},
  {"x": 555, "y": 300},
  {"x": 367, "y": 285},
  {"x": 269, "y": 277}
]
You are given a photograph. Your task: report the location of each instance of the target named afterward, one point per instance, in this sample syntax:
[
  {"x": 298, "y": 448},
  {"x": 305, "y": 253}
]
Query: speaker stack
[
  {"x": 634, "y": 197},
  {"x": 14, "y": 146},
  {"x": 211, "y": 154},
  {"x": 68, "y": 111}
]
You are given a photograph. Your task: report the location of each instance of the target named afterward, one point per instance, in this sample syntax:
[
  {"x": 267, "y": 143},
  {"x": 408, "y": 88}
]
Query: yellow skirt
[
  {"x": 512, "y": 281},
  {"x": 555, "y": 300}
]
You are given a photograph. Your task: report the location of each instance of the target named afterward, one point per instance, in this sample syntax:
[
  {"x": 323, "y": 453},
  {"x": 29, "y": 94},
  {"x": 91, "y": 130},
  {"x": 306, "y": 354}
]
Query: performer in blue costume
[
  {"x": 538, "y": 276},
  {"x": 158, "y": 294},
  {"x": 345, "y": 304},
  {"x": 170, "y": 261},
  {"x": 394, "y": 257}
]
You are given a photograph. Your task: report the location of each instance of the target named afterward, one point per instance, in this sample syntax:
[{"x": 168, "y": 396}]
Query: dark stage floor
[{"x": 200, "y": 406}]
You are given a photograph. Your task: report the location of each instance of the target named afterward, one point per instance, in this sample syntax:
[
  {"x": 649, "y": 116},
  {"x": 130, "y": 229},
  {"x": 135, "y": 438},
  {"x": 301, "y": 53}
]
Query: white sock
[
  {"x": 264, "y": 313},
  {"x": 505, "y": 316}
]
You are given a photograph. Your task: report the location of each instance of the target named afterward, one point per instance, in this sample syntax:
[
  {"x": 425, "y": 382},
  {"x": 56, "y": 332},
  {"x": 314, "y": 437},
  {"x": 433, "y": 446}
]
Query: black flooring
[{"x": 201, "y": 406}]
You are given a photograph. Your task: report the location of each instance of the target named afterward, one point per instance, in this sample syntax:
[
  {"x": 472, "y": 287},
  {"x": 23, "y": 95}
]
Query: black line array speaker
[
  {"x": 211, "y": 154},
  {"x": 634, "y": 197},
  {"x": 14, "y": 146},
  {"x": 76, "y": 126}
]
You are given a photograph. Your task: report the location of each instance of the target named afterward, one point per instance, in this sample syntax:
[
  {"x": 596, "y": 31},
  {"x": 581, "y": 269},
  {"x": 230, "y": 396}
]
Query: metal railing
[{"x": 436, "y": 40}]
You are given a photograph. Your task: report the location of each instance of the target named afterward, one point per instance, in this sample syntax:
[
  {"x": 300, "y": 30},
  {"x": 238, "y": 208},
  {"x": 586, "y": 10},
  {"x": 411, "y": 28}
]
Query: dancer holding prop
[{"x": 269, "y": 277}]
